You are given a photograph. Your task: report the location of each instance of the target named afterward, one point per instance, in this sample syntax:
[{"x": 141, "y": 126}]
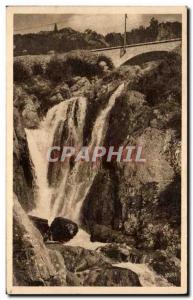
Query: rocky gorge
[{"x": 127, "y": 214}]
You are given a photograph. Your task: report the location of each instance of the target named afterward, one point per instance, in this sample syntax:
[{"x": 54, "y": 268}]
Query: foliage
[
  {"x": 76, "y": 63},
  {"x": 37, "y": 69},
  {"x": 56, "y": 71},
  {"x": 161, "y": 82},
  {"x": 67, "y": 39},
  {"x": 20, "y": 72},
  {"x": 161, "y": 237}
]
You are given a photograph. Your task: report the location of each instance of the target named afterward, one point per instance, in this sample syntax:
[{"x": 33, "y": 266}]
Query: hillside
[{"x": 67, "y": 39}]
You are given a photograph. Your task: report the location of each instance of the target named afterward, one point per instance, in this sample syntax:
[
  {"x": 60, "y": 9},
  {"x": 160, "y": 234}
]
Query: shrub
[
  {"x": 161, "y": 82},
  {"x": 161, "y": 237},
  {"x": 81, "y": 67},
  {"x": 37, "y": 69},
  {"x": 20, "y": 72},
  {"x": 106, "y": 59},
  {"x": 57, "y": 70},
  {"x": 76, "y": 63},
  {"x": 85, "y": 63}
]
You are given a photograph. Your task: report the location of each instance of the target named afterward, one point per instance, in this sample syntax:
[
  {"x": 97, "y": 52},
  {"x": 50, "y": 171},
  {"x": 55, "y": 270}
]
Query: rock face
[
  {"x": 106, "y": 234},
  {"x": 130, "y": 204},
  {"x": 22, "y": 167},
  {"x": 41, "y": 224},
  {"x": 112, "y": 276},
  {"x": 168, "y": 266},
  {"x": 78, "y": 259},
  {"x": 62, "y": 230},
  {"x": 33, "y": 263},
  {"x": 122, "y": 253},
  {"x": 28, "y": 107},
  {"x": 89, "y": 268}
]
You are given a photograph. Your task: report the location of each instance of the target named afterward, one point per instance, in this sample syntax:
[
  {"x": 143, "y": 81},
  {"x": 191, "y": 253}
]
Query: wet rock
[
  {"x": 56, "y": 98},
  {"x": 108, "y": 276},
  {"x": 81, "y": 86},
  {"x": 62, "y": 230},
  {"x": 90, "y": 268},
  {"x": 106, "y": 234},
  {"x": 111, "y": 276},
  {"x": 41, "y": 224},
  {"x": 122, "y": 253},
  {"x": 168, "y": 266},
  {"x": 78, "y": 259},
  {"x": 28, "y": 107},
  {"x": 22, "y": 166},
  {"x": 60, "y": 93},
  {"x": 33, "y": 263},
  {"x": 40, "y": 86},
  {"x": 99, "y": 205},
  {"x": 30, "y": 117}
]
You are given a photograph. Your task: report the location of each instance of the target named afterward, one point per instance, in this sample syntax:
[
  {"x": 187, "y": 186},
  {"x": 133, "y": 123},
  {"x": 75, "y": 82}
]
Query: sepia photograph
[{"x": 97, "y": 150}]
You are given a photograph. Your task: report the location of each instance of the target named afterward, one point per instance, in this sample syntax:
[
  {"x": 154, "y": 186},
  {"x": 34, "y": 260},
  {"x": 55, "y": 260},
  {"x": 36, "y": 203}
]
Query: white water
[
  {"x": 101, "y": 122},
  {"x": 82, "y": 239},
  {"x": 42, "y": 190},
  {"x": 147, "y": 277},
  {"x": 67, "y": 198}
]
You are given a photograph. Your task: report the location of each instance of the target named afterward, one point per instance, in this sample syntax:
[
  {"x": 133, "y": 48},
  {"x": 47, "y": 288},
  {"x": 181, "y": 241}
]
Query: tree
[
  {"x": 55, "y": 28},
  {"x": 154, "y": 28}
]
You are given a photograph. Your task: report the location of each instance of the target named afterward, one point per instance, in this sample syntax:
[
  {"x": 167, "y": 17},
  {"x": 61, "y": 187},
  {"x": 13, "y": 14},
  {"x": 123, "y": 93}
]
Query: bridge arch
[
  {"x": 145, "y": 57},
  {"x": 137, "y": 49}
]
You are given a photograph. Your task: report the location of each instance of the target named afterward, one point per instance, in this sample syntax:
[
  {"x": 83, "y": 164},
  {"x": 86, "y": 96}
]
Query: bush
[
  {"x": 85, "y": 63},
  {"x": 106, "y": 59},
  {"x": 37, "y": 69},
  {"x": 20, "y": 72},
  {"x": 81, "y": 67},
  {"x": 76, "y": 63},
  {"x": 57, "y": 70},
  {"x": 161, "y": 82},
  {"x": 161, "y": 237}
]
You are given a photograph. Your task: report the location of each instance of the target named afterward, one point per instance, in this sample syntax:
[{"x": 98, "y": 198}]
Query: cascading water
[
  {"x": 76, "y": 185},
  {"x": 39, "y": 141},
  {"x": 42, "y": 190},
  {"x": 64, "y": 195}
]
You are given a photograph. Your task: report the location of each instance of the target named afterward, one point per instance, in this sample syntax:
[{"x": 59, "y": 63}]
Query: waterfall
[
  {"x": 39, "y": 140},
  {"x": 65, "y": 196},
  {"x": 42, "y": 190},
  {"x": 147, "y": 276}
]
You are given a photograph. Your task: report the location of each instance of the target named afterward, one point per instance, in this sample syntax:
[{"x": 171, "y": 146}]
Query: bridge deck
[{"x": 136, "y": 45}]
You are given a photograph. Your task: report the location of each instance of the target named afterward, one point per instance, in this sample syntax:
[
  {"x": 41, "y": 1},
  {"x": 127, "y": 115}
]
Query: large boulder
[
  {"x": 108, "y": 276},
  {"x": 106, "y": 234},
  {"x": 167, "y": 266},
  {"x": 122, "y": 253},
  {"x": 62, "y": 230},
  {"x": 112, "y": 276},
  {"x": 41, "y": 224},
  {"x": 91, "y": 268},
  {"x": 28, "y": 106},
  {"x": 78, "y": 259},
  {"x": 81, "y": 86}
]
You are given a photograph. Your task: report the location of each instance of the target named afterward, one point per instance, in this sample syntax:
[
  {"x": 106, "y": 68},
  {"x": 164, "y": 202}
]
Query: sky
[{"x": 28, "y": 23}]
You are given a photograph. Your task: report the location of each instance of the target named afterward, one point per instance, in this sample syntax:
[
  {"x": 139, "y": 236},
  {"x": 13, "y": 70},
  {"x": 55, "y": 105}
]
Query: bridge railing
[{"x": 136, "y": 45}]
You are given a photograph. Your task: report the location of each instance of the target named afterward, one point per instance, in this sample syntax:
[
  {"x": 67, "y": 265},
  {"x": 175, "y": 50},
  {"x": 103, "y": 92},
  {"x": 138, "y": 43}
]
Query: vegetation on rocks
[{"x": 136, "y": 205}]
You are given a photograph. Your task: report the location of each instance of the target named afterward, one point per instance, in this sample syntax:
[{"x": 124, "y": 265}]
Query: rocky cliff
[{"x": 130, "y": 204}]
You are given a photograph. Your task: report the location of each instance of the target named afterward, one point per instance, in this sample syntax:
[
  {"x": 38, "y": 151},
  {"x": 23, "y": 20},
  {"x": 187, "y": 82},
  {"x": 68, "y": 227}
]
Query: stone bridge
[{"x": 139, "y": 52}]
